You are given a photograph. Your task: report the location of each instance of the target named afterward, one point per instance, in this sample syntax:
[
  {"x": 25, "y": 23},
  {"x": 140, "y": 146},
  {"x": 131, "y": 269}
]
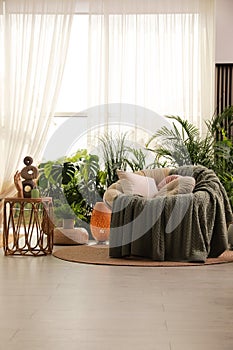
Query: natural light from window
[{"x": 134, "y": 59}]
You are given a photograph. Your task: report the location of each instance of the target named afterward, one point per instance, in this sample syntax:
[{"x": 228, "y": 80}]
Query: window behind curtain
[
  {"x": 138, "y": 59},
  {"x": 158, "y": 61}
]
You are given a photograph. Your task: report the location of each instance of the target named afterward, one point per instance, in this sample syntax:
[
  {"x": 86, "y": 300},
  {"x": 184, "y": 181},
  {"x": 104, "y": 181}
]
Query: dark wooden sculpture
[{"x": 29, "y": 173}]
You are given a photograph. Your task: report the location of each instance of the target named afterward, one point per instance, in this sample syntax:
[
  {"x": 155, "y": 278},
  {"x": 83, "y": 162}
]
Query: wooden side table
[{"x": 28, "y": 226}]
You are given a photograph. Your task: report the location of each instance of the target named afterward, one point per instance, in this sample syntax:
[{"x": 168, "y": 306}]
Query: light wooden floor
[{"x": 47, "y": 303}]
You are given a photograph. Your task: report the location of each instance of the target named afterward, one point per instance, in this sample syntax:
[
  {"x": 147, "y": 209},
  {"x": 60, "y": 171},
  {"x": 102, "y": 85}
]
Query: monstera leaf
[{"x": 68, "y": 172}]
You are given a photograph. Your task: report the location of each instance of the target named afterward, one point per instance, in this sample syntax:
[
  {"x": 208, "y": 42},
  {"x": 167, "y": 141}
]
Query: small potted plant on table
[{"x": 65, "y": 213}]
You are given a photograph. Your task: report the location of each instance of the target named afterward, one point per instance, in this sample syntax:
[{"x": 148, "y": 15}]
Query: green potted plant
[
  {"x": 77, "y": 180},
  {"x": 183, "y": 144},
  {"x": 65, "y": 213},
  {"x": 221, "y": 127},
  {"x": 115, "y": 153}
]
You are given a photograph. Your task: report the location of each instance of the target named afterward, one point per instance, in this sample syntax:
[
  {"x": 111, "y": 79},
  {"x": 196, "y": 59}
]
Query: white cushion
[{"x": 137, "y": 184}]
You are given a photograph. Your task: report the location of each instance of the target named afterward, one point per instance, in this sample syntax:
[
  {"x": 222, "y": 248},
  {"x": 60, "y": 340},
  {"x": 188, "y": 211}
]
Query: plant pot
[{"x": 68, "y": 223}]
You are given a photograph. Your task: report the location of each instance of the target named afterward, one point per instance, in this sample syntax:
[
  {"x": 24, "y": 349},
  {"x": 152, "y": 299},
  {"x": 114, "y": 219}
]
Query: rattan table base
[{"x": 29, "y": 222}]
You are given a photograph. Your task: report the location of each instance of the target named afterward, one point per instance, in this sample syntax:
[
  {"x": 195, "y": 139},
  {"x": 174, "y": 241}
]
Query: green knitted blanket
[{"x": 184, "y": 227}]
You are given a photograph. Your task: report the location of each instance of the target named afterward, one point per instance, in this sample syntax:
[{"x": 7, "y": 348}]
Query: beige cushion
[
  {"x": 166, "y": 180},
  {"x": 158, "y": 174},
  {"x": 136, "y": 184},
  {"x": 180, "y": 185}
]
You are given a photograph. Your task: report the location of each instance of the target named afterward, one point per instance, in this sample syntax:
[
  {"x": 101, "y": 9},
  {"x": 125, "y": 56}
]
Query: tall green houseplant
[
  {"x": 221, "y": 129},
  {"x": 117, "y": 154},
  {"x": 182, "y": 144},
  {"x": 114, "y": 151},
  {"x": 76, "y": 180}
]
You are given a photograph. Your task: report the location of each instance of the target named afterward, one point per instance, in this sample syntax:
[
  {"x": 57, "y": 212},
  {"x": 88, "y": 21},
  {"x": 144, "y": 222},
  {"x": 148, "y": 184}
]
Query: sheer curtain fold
[
  {"x": 143, "y": 6},
  {"x": 155, "y": 53},
  {"x": 41, "y": 6},
  {"x": 34, "y": 38}
]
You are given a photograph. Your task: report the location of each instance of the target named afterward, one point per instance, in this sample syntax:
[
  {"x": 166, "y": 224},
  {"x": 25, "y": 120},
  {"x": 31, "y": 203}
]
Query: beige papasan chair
[{"x": 186, "y": 220}]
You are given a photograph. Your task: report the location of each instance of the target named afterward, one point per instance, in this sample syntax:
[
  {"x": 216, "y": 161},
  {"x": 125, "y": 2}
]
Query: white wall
[{"x": 224, "y": 31}]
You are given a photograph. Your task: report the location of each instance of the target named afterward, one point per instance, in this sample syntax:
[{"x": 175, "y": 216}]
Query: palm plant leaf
[
  {"x": 182, "y": 144},
  {"x": 218, "y": 122},
  {"x": 114, "y": 153}
]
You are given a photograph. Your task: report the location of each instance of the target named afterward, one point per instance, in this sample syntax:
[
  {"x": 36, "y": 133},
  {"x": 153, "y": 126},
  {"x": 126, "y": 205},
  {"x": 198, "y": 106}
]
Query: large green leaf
[{"x": 68, "y": 172}]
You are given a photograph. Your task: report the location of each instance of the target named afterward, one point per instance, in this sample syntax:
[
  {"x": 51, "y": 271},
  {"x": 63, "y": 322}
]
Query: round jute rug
[{"x": 94, "y": 254}]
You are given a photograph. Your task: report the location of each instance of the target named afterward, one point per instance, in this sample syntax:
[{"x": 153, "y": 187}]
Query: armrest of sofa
[{"x": 112, "y": 192}]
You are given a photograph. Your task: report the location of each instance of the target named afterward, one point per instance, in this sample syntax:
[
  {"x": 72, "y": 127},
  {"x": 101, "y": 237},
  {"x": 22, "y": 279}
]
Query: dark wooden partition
[{"x": 224, "y": 91}]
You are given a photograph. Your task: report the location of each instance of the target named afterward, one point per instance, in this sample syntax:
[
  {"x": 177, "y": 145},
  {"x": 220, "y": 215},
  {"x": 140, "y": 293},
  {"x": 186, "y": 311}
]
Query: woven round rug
[{"x": 98, "y": 255}]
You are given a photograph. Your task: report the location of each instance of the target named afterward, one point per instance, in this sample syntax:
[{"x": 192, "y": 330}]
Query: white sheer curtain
[
  {"x": 34, "y": 36},
  {"x": 158, "y": 54}
]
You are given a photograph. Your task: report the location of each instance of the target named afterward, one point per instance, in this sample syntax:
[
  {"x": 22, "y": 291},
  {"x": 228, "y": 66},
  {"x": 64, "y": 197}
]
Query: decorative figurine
[{"x": 29, "y": 173}]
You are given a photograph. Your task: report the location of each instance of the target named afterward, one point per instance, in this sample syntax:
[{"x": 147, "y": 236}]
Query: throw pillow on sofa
[
  {"x": 177, "y": 185},
  {"x": 137, "y": 184}
]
